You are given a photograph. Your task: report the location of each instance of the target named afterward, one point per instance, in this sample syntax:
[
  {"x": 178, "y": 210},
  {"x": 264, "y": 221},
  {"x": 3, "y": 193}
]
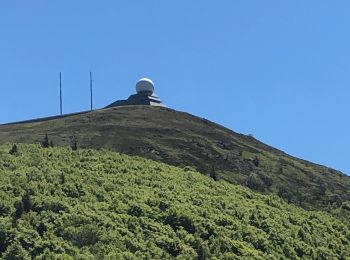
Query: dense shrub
[{"x": 63, "y": 204}]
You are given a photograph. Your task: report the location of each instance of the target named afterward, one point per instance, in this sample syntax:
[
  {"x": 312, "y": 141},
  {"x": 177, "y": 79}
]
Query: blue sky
[{"x": 276, "y": 69}]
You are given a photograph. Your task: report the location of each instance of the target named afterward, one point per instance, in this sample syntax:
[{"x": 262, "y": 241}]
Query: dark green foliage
[
  {"x": 60, "y": 204},
  {"x": 256, "y": 161},
  {"x": 62, "y": 178},
  {"x": 45, "y": 143},
  {"x": 255, "y": 183},
  {"x": 18, "y": 205},
  {"x": 85, "y": 235},
  {"x": 26, "y": 202},
  {"x": 177, "y": 221},
  {"x": 41, "y": 229},
  {"x": 214, "y": 175},
  {"x": 268, "y": 180},
  {"x": 135, "y": 210},
  {"x": 74, "y": 143},
  {"x": 74, "y": 146},
  {"x": 4, "y": 208},
  {"x": 16, "y": 252},
  {"x": 346, "y": 206},
  {"x": 14, "y": 150},
  {"x": 4, "y": 235},
  {"x": 286, "y": 193}
]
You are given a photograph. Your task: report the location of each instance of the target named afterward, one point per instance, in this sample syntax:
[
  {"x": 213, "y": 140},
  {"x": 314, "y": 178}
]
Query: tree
[
  {"x": 255, "y": 183},
  {"x": 266, "y": 179},
  {"x": 74, "y": 143},
  {"x": 19, "y": 210},
  {"x": 14, "y": 150},
  {"x": 214, "y": 175},
  {"x": 27, "y": 202},
  {"x": 45, "y": 143},
  {"x": 256, "y": 161},
  {"x": 62, "y": 178},
  {"x": 285, "y": 194}
]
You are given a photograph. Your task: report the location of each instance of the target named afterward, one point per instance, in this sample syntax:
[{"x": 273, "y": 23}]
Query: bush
[
  {"x": 14, "y": 150},
  {"x": 255, "y": 183},
  {"x": 16, "y": 252},
  {"x": 178, "y": 220},
  {"x": 45, "y": 143}
]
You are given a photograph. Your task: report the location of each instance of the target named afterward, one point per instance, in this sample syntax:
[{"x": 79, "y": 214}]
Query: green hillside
[
  {"x": 181, "y": 139},
  {"x": 88, "y": 204}
]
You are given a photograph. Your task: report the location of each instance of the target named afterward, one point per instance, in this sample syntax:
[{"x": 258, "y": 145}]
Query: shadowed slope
[{"x": 181, "y": 139}]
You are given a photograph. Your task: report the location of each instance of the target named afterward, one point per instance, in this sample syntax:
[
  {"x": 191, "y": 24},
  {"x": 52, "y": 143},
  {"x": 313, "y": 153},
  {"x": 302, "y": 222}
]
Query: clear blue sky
[{"x": 279, "y": 70}]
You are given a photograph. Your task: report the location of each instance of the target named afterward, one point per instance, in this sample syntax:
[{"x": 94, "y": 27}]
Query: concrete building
[{"x": 144, "y": 96}]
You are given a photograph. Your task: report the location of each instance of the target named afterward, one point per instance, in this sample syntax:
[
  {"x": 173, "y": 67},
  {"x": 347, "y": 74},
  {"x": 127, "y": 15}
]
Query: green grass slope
[
  {"x": 59, "y": 204},
  {"x": 181, "y": 139}
]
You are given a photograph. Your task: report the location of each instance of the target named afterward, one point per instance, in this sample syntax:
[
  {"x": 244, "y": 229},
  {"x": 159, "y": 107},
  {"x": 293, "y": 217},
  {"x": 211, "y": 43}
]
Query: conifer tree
[
  {"x": 256, "y": 161},
  {"x": 14, "y": 150},
  {"x": 45, "y": 143},
  {"x": 74, "y": 143},
  {"x": 214, "y": 175},
  {"x": 27, "y": 202}
]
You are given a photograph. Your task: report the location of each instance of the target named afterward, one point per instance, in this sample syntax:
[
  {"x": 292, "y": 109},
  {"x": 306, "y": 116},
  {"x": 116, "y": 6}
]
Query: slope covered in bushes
[
  {"x": 181, "y": 139},
  {"x": 104, "y": 205}
]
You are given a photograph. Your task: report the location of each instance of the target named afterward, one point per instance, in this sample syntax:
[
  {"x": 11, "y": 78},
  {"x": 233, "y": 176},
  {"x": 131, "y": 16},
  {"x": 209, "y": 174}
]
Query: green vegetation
[
  {"x": 84, "y": 204},
  {"x": 181, "y": 139}
]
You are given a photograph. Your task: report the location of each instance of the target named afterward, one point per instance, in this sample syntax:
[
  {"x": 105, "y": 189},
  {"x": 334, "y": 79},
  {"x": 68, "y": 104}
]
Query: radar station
[{"x": 144, "y": 96}]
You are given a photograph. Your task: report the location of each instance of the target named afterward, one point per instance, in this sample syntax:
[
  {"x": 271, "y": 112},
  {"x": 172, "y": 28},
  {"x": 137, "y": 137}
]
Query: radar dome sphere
[{"x": 145, "y": 85}]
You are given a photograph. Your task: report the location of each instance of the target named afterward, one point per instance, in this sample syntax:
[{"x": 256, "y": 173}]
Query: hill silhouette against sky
[{"x": 275, "y": 69}]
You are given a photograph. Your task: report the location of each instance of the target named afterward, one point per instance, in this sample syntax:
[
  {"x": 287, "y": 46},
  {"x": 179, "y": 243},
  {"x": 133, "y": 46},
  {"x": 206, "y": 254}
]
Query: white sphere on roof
[{"x": 145, "y": 85}]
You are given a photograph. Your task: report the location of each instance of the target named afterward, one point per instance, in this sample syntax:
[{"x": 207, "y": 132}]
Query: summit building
[{"x": 144, "y": 96}]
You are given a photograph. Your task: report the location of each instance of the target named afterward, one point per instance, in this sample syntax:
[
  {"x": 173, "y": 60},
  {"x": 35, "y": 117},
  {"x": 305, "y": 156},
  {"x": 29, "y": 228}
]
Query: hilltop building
[{"x": 144, "y": 96}]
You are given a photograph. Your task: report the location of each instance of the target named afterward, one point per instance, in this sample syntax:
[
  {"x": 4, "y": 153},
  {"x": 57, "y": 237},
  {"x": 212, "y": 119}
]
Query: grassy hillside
[
  {"x": 85, "y": 204},
  {"x": 181, "y": 139}
]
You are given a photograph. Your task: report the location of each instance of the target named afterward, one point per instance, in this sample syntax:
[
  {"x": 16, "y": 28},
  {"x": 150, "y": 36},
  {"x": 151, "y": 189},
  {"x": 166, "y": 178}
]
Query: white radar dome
[{"x": 145, "y": 85}]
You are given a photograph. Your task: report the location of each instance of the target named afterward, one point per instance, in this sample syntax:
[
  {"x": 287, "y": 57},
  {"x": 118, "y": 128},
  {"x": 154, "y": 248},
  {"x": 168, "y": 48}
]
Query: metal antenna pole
[
  {"x": 60, "y": 93},
  {"x": 91, "y": 107}
]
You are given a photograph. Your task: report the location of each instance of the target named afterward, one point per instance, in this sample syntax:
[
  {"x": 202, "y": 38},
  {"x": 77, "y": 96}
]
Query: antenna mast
[
  {"x": 60, "y": 93},
  {"x": 91, "y": 107}
]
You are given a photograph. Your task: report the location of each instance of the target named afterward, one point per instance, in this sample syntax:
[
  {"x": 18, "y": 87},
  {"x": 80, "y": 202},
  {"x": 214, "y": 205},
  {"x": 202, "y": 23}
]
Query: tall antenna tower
[
  {"x": 61, "y": 93},
  {"x": 91, "y": 107}
]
